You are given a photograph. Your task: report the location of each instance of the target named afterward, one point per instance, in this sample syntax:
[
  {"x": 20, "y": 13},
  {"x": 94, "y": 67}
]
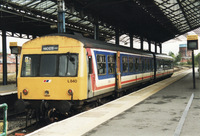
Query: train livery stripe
[
  {"x": 103, "y": 87},
  {"x": 123, "y": 82},
  {"x": 128, "y": 81}
]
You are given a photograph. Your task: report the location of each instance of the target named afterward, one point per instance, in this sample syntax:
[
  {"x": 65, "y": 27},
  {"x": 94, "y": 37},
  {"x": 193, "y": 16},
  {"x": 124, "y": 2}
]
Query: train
[{"x": 62, "y": 72}]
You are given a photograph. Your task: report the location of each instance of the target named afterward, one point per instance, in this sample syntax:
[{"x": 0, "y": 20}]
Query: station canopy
[{"x": 154, "y": 20}]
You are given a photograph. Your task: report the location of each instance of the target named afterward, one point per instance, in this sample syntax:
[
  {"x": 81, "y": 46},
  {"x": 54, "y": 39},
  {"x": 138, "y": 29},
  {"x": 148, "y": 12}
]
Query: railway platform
[
  {"x": 169, "y": 107},
  {"x": 8, "y": 89}
]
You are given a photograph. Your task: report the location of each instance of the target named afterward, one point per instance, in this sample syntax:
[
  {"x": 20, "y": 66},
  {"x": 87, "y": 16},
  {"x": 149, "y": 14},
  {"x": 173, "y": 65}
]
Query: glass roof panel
[{"x": 33, "y": 3}]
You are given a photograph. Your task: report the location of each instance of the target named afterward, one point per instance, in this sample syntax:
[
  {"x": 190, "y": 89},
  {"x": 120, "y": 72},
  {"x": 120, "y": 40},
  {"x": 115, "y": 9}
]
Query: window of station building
[
  {"x": 111, "y": 64},
  {"x": 130, "y": 64},
  {"x": 101, "y": 64},
  {"x": 124, "y": 64}
]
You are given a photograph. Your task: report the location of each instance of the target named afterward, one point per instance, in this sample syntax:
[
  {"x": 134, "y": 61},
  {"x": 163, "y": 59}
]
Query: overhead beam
[{"x": 183, "y": 11}]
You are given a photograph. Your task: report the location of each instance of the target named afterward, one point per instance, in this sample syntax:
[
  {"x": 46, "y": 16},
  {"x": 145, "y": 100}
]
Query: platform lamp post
[
  {"x": 192, "y": 44},
  {"x": 15, "y": 50}
]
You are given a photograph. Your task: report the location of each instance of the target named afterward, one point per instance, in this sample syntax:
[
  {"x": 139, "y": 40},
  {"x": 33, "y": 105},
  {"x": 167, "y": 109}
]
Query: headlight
[
  {"x": 70, "y": 92},
  {"x": 25, "y": 91}
]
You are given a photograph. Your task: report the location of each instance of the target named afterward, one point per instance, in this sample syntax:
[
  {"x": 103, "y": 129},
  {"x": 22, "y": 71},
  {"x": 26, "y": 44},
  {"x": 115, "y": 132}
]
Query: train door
[
  {"x": 91, "y": 76},
  {"x": 118, "y": 73}
]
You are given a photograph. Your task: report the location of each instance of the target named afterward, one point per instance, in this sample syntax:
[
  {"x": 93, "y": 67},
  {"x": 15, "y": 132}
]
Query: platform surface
[
  {"x": 152, "y": 111},
  {"x": 8, "y": 89}
]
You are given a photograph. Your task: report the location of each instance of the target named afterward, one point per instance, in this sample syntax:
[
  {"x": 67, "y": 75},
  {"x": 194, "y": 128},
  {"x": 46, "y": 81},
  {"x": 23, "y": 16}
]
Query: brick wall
[{"x": 11, "y": 67}]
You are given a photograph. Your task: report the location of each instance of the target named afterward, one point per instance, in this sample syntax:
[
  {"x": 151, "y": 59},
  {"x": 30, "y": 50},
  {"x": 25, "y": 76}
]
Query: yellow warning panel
[
  {"x": 192, "y": 42},
  {"x": 192, "y": 37}
]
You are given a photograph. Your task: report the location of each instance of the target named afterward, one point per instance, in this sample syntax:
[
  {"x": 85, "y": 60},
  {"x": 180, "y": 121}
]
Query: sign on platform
[{"x": 192, "y": 42}]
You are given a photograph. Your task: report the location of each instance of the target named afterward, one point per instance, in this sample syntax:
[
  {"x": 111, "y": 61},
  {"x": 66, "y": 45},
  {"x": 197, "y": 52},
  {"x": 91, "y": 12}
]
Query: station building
[
  {"x": 11, "y": 63},
  {"x": 186, "y": 55}
]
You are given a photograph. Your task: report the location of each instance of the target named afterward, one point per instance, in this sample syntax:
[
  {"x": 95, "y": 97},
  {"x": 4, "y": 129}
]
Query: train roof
[
  {"x": 91, "y": 43},
  {"x": 164, "y": 56}
]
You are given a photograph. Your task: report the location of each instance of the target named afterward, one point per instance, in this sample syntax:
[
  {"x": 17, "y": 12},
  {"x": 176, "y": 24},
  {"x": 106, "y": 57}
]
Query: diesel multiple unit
[{"x": 62, "y": 71}]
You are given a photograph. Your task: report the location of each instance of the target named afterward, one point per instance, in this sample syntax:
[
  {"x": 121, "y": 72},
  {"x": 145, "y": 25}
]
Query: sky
[{"x": 171, "y": 45}]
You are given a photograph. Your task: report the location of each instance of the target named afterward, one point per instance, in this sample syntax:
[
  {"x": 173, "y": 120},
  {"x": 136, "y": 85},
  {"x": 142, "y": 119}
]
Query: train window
[
  {"x": 165, "y": 65},
  {"x": 136, "y": 64},
  {"x": 48, "y": 65},
  {"x": 130, "y": 64},
  {"x": 125, "y": 64},
  {"x": 68, "y": 65},
  {"x": 30, "y": 65},
  {"x": 111, "y": 64},
  {"x": 101, "y": 64},
  {"x": 160, "y": 65},
  {"x": 152, "y": 64},
  {"x": 148, "y": 64},
  {"x": 140, "y": 64},
  {"x": 144, "y": 65}
]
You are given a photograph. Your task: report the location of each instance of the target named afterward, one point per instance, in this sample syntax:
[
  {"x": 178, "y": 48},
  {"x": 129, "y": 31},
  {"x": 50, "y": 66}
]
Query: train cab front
[{"x": 52, "y": 73}]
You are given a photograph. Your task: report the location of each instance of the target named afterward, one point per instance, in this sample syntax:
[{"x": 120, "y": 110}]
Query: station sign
[
  {"x": 14, "y": 48},
  {"x": 192, "y": 42},
  {"x": 50, "y": 48}
]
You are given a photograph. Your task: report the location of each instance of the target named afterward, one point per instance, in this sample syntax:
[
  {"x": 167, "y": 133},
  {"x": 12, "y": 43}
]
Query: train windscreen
[{"x": 50, "y": 65}]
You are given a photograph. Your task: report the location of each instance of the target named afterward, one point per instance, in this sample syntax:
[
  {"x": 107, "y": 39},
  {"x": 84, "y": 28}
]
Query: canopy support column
[
  {"x": 131, "y": 40},
  {"x": 61, "y": 16},
  {"x": 141, "y": 42},
  {"x": 117, "y": 36},
  {"x": 149, "y": 43},
  {"x": 4, "y": 57},
  {"x": 156, "y": 47},
  {"x": 160, "y": 48},
  {"x": 96, "y": 29}
]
